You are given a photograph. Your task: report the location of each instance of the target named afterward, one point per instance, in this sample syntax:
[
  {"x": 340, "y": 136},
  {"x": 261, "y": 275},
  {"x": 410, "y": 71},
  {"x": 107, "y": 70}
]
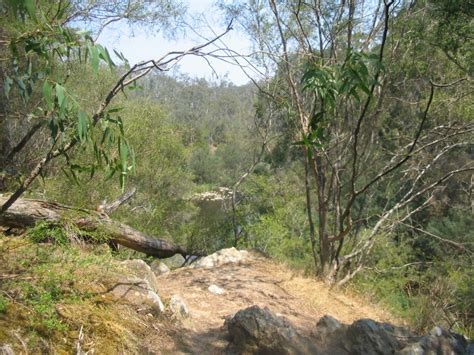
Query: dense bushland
[{"x": 284, "y": 148}]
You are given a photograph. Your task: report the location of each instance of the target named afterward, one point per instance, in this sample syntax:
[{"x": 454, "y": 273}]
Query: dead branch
[{"x": 108, "y": 208}]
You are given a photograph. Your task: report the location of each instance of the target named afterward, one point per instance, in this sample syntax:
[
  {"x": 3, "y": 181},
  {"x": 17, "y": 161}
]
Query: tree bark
[{"x": 27, "y": 212}]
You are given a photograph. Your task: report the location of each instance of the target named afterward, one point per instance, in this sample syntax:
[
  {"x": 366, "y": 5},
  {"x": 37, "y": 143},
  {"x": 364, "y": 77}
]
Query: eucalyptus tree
[
  {"x": 42, "y": 45},
  {"x": 336, "y": 64}
]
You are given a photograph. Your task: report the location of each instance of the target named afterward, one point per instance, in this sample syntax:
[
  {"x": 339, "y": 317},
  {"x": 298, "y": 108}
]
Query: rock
[
  {"x": 221, "y": 257},
  {"x": 369, "y": 337},
  {"x": 216, "y": 290},
  {"x": 6, "y": 349},
  {"x": 159, "y": 268},
  {"x": 258, "y": 331},
  {"x": 364, "y": 336},
  {"x": 439, "y": 341},
  {"x": 178, "y": 307},
  {"x": 174, "y": 262},
  {"x": 220, "y": 194},
  {"x": 326, "y": 326},
  {"x": 137, "y": 292},
  {"x": 142, "y": 270},
  {"x": 138, "y": 286}
]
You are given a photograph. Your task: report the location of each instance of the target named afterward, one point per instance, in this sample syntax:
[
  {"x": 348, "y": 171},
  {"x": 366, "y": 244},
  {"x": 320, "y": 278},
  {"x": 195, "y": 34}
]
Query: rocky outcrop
[
  {"x": 221, "y": 257},
  {"x": 142, "y": 270},
  {"x": 258, "y": 331},
  {"x": 220, "y": 194}
]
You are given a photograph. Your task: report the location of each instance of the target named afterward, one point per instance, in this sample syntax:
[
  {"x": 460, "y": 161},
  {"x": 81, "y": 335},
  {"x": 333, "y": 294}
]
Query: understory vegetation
[
  {"x": 52, "y": 292},
  {"x": 352, "y": 159}
]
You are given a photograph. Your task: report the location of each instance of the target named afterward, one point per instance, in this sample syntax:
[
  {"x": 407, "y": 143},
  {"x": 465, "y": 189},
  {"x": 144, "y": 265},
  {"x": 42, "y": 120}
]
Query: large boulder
[
  {"x": 326, "y": 327},
  {"x": 364, "y": 336},
  {"x": 221, "y": 257},
  {"x": 256, "y": 330}
]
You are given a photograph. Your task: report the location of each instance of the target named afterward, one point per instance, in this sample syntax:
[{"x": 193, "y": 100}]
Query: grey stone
[
  {"x": 178, "y": 307},
  {"x": 174, "y": 262},
  {"x": 142, "y": 270},
  {"x": 258, "y": 331},
  {"x": 326, "y": 326},
  {"x": 439, "y": 341},
  {"x": 137, "y": 292},
  {"x": 216, "y": 290},
  {"x": 6, "y": 349},
  {"x": 369, "y": 337},
  {"x": 221, "y": 257},
  {"x": 137, "y": 286},
  {"x": 159, "y": 268}
]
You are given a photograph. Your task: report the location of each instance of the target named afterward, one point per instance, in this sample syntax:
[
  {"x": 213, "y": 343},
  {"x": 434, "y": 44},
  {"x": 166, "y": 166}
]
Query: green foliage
[
  {"x": 453, "y": 30},
  {"x": 42, "y": 51},
  {"x": 64, "y": 233},
  {"x": 335, "y": 85},
  {"x": 43, "y": 299},
  {"x": 44, "y": 232},
  {"x": 3, "y": 304},
  {"x": 273, "y": 220},
  {"x": 437, "y": 291},
  {"x": 456, "y": 225}
]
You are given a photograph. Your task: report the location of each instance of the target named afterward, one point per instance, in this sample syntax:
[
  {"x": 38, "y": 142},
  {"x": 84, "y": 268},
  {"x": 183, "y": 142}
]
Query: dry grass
[{"x": 342, "y": 304}]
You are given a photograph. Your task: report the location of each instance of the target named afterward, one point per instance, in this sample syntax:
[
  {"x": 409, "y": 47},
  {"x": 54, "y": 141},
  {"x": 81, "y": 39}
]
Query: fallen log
[{"x": 26, "y": 213}]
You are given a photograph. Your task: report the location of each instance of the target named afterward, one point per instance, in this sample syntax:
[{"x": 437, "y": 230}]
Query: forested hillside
[{"x": 348, "y": 157}]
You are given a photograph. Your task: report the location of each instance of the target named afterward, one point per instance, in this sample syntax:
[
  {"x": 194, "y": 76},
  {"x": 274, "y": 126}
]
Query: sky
[{"x": 141, "y": 46}]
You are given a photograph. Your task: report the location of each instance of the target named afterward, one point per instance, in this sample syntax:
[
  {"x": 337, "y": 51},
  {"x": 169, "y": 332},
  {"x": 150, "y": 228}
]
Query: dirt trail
[{"x": 258, "y": 281}]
